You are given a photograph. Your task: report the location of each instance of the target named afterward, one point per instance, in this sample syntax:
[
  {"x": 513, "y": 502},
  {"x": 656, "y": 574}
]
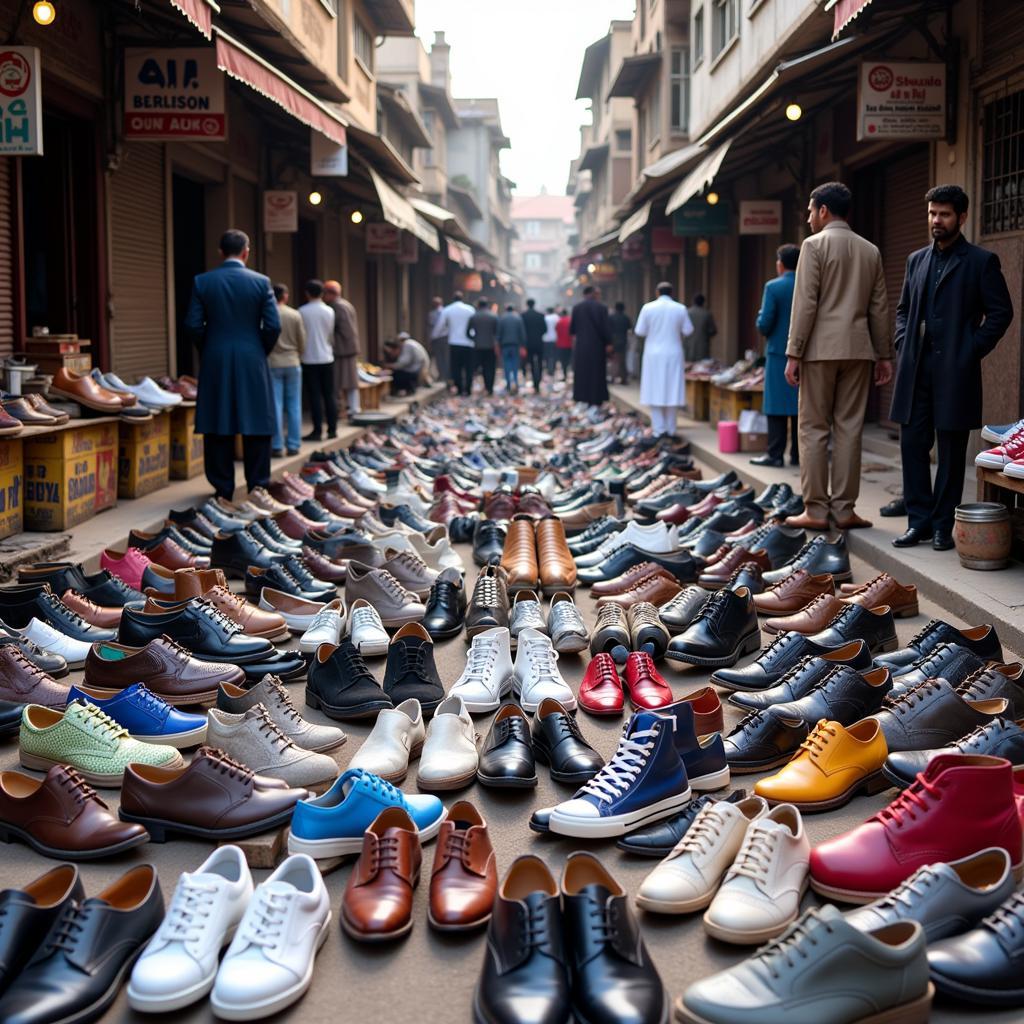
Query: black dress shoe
[
  {"x": 943, "y": 541},
  {"x": 799, "y": 681},
  {"x": 982, "y": 640},
  {"x": 558, "y": 742},
  {"x": 781, "y": 655},
  {"x": 782, "y": 543},
  {"x": 313, "y": 435},
  {"x": 948, "y": 661},
  {"x": 410, "y": 670},
  {"x": 997, "y": 682},
  {"x": 488, "y": 542},
  {"x": 875, "y": 626},
  {"x": 894, "y": 509},
  {"x": 341, "y": 686},
  {"x": 659, "y": 839},
  {"x": 446, "y": 605},
  {"x": 844, "y": 695},
  {"x": 220, "y": 519},
  {"x": 489, "y": 605},
  {"x": 460, "y": 528},
  {"x": 280, "y": 577},
  {"x": 310, "y": 584},
  {"x": 818, "y": 555},
  {"x": 680, "y": 563},
  {"x": 506, "y": 759},
  {"x": 724, "y": 630},
  {"x": 614, "y": 980},
  {"x": 102, "y": 587},
  {"x": 27, "y": 915},
  {"x": 911, "y": 537},
  {"x": 78, "y": 969},
  {"x": 233, "y": 553},
  {"x": 525, "y": 975},
  {"x": 763, "y": 740},
  {"x": 725, "y": 480},
  {"x": 748, "y": 575},
  {"x": 593, "y": 536},
  {"x": 23, "y": 602},
  {"x": 261, "y": 535},
  {"x": 766, "y": 460}
]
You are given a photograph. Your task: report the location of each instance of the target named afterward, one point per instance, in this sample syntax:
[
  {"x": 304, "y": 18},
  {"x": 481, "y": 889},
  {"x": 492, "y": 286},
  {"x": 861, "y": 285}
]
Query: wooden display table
[
  {"x": 995, "y": 485},
  {"x": 726, "y": 404},
  {"x": 371, "y": 395},
  {"x": 698, "y": 397}
]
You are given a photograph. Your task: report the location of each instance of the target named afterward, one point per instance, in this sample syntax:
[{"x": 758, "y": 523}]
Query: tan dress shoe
[
  {"x": 809, "y": 620},
  {"x": 804, "y": 521},
  {"x": 793, "y": 593},
  {"x": 519, "y": 557},
  {"x": 655, "y": 589},
  {"x": 883, "y": 589},
  {"x": 555, "y": 561},
  {"x": 620, "y": 584}
]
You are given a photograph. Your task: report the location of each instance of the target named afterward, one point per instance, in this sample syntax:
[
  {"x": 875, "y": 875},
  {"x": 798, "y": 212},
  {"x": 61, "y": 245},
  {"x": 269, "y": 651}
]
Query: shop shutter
[
  {"x": 1002, "y": 36},
  {"x": 138, "y": 258},
  {"x": 7, "y": 345}
]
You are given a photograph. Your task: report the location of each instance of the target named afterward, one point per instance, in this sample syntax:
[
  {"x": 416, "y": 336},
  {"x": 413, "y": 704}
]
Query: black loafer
[
  {"x": 911, "y": 537},
  {"x": 558, "y": 742},
  {"x": 507, "y": 760}
]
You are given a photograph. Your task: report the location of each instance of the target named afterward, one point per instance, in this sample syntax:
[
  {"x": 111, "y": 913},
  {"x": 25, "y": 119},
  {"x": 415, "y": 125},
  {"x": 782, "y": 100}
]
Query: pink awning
[
  {"x": 199, "y": 13},
  {"x": 844, "y": 12},
  {"x": 240, "y": 62}
]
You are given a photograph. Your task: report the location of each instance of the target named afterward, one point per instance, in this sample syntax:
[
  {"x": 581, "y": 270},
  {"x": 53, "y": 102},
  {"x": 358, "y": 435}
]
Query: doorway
[
  {"x": 189, "y": 198},
  {"x": 305, "y": 257}
]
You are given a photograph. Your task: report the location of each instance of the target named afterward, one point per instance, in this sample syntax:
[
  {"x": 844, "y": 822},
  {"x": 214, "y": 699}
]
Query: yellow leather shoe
[{"x": 832, "y": 766}]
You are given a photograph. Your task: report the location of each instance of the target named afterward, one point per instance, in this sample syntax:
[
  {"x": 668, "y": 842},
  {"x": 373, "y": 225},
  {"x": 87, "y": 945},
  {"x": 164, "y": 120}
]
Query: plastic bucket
[{"x": 728, "y": 436}]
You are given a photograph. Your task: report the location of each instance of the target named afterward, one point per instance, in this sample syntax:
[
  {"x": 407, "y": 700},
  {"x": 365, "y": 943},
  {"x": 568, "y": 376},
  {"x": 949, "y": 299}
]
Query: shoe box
[
  {"x": 726, "y": 404},
  {"x": 70, "y": 475},
  {"x": 143, "y": 456},
  {"x": 12, "y": 487},
  {"x": 186, "y": 444},
  {"x": 753, "y": 427}
]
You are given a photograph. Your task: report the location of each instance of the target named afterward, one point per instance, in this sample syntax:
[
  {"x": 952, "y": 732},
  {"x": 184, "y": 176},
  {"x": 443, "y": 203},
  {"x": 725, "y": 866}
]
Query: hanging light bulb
[
  {"x": 794, "y": 111},
  {"x": 44, "y": 12},
  {"x": 357, "y": 217},
  {"x": 315, "y": 199},
  {"x": 712, "y": 198}
]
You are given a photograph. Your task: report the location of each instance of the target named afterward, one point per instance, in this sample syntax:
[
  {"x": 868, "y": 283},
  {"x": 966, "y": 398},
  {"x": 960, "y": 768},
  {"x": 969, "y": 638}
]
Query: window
[
  {"x": 698, "y": 38},
  {"x": 1002, "y": 165},
  {"x": 679, "y": 85},
  {"x": 652, "y": 115},
  {"x": 725, "y": 24},
  {"x": 623, "y": 140},
  {"x": 533, "y": 229},
  {"x": 342, "y": 40},
  {"x": 364, "y": 46},
  {"x": 429, "y": 155},
  {"x": 534, "y": 261}
]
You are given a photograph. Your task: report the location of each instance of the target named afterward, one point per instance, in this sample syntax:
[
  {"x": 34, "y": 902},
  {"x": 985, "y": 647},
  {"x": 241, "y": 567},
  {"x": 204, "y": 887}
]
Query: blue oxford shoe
[{"x": 146, "y": 717}]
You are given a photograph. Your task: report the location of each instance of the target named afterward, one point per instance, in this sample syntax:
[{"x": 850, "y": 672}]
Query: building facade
[{"x": 540, "y": 250}]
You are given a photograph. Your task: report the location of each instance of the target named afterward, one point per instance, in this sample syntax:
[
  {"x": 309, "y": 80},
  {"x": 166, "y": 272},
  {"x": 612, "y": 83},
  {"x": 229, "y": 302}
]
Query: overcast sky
[{"x": 527, "y": 53}]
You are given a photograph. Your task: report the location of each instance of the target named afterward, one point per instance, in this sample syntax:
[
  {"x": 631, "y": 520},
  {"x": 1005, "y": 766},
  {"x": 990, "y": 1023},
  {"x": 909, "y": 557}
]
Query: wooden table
[{"x": 995, "y": 485}]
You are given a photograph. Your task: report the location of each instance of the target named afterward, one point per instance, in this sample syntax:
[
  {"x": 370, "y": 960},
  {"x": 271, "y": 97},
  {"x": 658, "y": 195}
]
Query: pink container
[{"x": 728, "y": 436}]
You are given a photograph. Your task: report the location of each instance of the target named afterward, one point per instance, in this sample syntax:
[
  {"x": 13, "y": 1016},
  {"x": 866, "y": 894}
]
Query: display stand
[{"x": 995, "y": 485}]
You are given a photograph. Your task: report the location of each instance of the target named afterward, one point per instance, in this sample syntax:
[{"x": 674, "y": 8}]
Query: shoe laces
[
  {"x": 365, "y": 616},
  {"x": 714, "y": 608},
  {"x": 1008, "y": 919},
  {"x": 413, "y": 658},
  {"x": 793, "y": 943},
  {"x": 386, "y": 854},
  {"x": 216, "y": 616},
  {"x": 610, "y": 615},
  {"x": 266, "y": 916},
  {"x": 914, "y": 887},
  {"x": 481, "y": 657},
  {"x": 543, "y": 659},
  {"x": 924, "y": 633},
  {"x": 439, "y": 587},
  {"x": 102, "y": 725},
  {"x": 457, "y": 844},
  {"x": 818, "y": 740},
  {"x": 283, "y": 701},
  {"x": 174, "y": 648},
  {"x": 69, "y": 928},
  {"x": 913, "y": 800},
  {"x": 76, "y": 786},
  {"x": 412, "y": 561},
  {"x": 485, "y": 593},
  {"x": 779, "y": 644},
  {"x": 754, "y": 859},
  {"x": 607, "y": 674},
  {"x": 393, "y": 587},
  {"x": 643, "y": 613},
  {"x": 191, "y": 907},
  {"x": 148, "y": 699},
  {"x": 325, "y": 619},
  {"x": 644, "y": 664},
  {"x": 271, "y": 730},
  {"x": 565, "y": 615},
  {"x": 622, "y": 770},
  {"x": 702, "y": 834},
  {"x": 224, "y": 764},
  {"x": 59, "y": 606},
  {"x": 222, "y": 594},
  {"x": 906, "y": 703}
]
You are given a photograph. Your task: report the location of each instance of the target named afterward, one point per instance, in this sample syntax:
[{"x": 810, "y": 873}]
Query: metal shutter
[
  {"x": 138, "y": 263},
  {"x": 7, "y": 345},
  {"x": 1002, "y": 36}
]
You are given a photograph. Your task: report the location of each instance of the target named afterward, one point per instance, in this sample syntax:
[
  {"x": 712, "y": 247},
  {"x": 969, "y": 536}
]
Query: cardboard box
[
  {"x": 753, "y": 442},
  {"x": 143, "y": 456},
  {"x": 186, "y": 444},
  {"x": 12, "y": 488}
]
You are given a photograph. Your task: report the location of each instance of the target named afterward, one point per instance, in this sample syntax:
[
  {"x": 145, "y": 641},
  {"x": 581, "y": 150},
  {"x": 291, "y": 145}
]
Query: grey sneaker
[
  {"x": 526, "y": 614},
  {"x": 820, "y": 969},
  {"x": 678, "y": 613},
  {"x": 568, "y": 632},
  {"x": 274, "y": 697},
  {"x": 396, "y": 605},
  {"x": 411, "y": 571},
  {"x": 255, "y": 739}
]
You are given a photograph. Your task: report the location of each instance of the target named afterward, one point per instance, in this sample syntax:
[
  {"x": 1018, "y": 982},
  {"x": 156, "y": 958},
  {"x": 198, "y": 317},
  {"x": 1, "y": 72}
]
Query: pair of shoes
[
  {"x": 942, "y": 540},
  {"x": 536, "y": 552},
  {"x": 766, "y": 460}
]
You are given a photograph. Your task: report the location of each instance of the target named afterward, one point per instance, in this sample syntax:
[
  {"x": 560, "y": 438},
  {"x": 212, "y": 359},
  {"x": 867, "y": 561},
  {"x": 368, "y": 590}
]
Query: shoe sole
[
  {"x": 570, "y": 778},
  {"x": 160, "y": 828},
  {"x": 372, "y": 648},
  {"x": 859, "y": 898},
  {"x": 368, "y": 710},
  {"x": 603, "y": 828},
  {"x": 752, "y": 768},
  {"x": 571, "y": 644},
  {"x": 871, "y": 784},
  {"x": 11, "y": 833},
  {"x": 101, "y": 779},
  {"x": 981, "y": 996},
  {"x": 990, "y": 461},
  {"x": 180, "y": 740},
  {"x": 446, "y": 784},
  {"x": 467, "y": 926},
  {"x": 166, "y": 1004},
  {"x": 712, "y": 781},
  {"x": 748, "y": 645},
  {"x": 501, "y": 782},
  {"x": 326, "y": 849}
]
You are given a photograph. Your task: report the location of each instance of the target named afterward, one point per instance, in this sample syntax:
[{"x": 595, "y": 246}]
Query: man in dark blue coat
[
  {"x": 233, "y": 319},
  {"x": 953, "y": 309},
  {"x": 535, "y": 326}
]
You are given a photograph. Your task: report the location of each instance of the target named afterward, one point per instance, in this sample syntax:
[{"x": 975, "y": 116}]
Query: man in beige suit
[{"x": 839, "y": 329}]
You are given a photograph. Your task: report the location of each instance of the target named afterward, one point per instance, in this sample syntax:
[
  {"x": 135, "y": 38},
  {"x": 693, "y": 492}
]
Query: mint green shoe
[{"x": 89, "y": 741}]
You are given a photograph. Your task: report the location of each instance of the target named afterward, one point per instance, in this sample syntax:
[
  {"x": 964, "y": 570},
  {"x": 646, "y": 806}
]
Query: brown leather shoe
[
  {"x": 167, "y": 669},
  {"x": 579, "y": 519},
  {"x": 812, "y": 618},
  {"x": 211, "y": 584},
  {"x": 717, "y": 574},
  {"x": 707, "y": 711},
  {"x": 656, "y": 589},
  {"x": 173, "y": 556},
  {"x": 854, "y": 522},
  {"x": 97, "y": 615},
  {"x": 519, "y": 556},
  {"x": 675, "y": 514},
  {"x": 41, "y": 405},
  {"x": 262, "y": 498},
  {"x": 793, "y": 592},
  {"x": 21, "y": 682},
  {"x": 23, "y": 411},
  {"x": 336, "y": 504},
  {"x": 883, "y": 589},
  {"x": 557, "y": 567},
  {"x": 378, "y": 899},
  {"x": 805, "y": 521},
  {"x": 294, "y": 524},
  {"x": 323, "y": 568},
  {"x": 464, "y": 877},
  {"x": 620, "y": 584},
  {"x": 8, "y": 424},
  {"x": 213, "y": 798},
  {"x": 284, "y": 493},
  {"x": 81, "y": 388},
  {"x": 61, "y": 816}
]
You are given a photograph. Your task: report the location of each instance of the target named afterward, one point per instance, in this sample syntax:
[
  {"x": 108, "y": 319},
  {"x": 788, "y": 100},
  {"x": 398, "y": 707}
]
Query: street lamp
[
  {"x": 591, "y": 267},
  {"x": 712, "y": 198},
  {"x": 357, "y": 217},
  {"x": 315, "y": 199},
  {"x": 44, "y": 12},
  {"x": 794, "y": 111}
]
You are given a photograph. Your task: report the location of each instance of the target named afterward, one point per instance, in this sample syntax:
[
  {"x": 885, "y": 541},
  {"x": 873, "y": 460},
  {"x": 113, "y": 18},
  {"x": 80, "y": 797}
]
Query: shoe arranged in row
[
  {"x": 535, "y": 556},
  {"x": 564, "y": 624}
]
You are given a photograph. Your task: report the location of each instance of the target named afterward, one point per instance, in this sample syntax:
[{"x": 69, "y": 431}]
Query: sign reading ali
[
  {"x": 20, "y": 108},
  {"x": 173, "y": 94},
  {"x": 901, "y": 100}
]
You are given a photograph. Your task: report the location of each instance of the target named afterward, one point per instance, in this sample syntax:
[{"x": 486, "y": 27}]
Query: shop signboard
[
  {"x": 326, "y": 158},
  {"x": 409, "y": 250},
  {"x": 633, "y": 248},
  {"x": 901, "y": 100},
  {"x": 664, "y": 242},
  {"x": 281, "y": 211},
  {"x": 21, "y": 111},
  {"x": 174, "y": 94},
  {"x": 760, "y": 217},
  {"x": 698, "y": 219},
  {"x": 383, "y": 239}
]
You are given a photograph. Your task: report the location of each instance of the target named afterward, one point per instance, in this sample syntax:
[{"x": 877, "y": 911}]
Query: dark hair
[
  {"x": 664, "y": 288},
  {"x": 620, "y": 307},
  {"x": 564, "y": 312},
  {"x": 698, "y": 299},
  {"x": 457, "y": 297},
  {"x": 280, "y": 291},
  {"x": 510, "y": 308},
  {"x": 233, "y": 242},
  {"x": 589, "y": 290},
  {"x": 531, "y": 303},
  {"x": 787, "y": 255},
  {"x": 314, "y": 288},
  {"x": 835, "y": 195},
  {"x": 551, "y": 309},
  {"x": 482, "y": 303},
  {"x": 392, "y": 343},
  {"x": 952, "y": 195}
]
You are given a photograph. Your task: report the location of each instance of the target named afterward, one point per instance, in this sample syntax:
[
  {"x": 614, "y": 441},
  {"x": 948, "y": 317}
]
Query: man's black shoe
[
  {"x": 766, "y": 460},
  {"x": 910, "y": 538},
  {"x": 313, "y": 435},
  {"x": 894, "y": 509},
  {"x": 943, "y": 540}
]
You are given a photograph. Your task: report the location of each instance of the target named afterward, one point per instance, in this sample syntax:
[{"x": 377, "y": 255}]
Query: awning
[
  {"x": 374, "y": 147},
  {"x": 399, "y": 211},
  {"x": 636, "y": 223},
  {"x": 844, "y": 12},
  {"x": 590, "y": 71},
  {"x": 199, "y": 12},
  {"x": 634, "y": 74},
  {"x": 459, "y": 253},
  {"x": 392, "y": 17},
  {"x": 593, "y": 157},
  {"x": 241, "y": 63},
  {"x": 441, "y": 218},
  {"x": 698, "y": 179}
]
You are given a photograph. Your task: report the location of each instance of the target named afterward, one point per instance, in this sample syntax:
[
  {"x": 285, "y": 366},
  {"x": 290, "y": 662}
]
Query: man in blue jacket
[
  {"x": 511, "y": 338},
  {"x": 233, "y": 319},
  {"x": 780, "y": 397}
]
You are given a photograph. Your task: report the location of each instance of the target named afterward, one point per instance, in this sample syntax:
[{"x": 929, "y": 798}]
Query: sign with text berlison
[
  {"x": 901, "y": 100},
  {"x": 21, "y": 110},
  {"x": 174, "y": 94}
]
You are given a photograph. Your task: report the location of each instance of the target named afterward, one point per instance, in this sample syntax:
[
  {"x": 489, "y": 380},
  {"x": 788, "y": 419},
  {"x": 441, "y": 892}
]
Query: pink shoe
[{"x": 126, "y": 565}]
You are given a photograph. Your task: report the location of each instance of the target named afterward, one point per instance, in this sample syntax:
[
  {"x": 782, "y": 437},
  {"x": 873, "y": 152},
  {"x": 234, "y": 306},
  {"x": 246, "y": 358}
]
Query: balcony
[{"x": 392, "y": 17}]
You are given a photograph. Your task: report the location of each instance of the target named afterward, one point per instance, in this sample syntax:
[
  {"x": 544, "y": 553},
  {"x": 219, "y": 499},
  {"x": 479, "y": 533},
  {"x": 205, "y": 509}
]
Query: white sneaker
[
  {"x": 761, "y": 894},
  {"x": 326, "y": 627},
  {"x": 179, "y": 964},
  {"x": 568, "y": 631},
  {"x": 526, "y": 614},
  {"x": 536, "y": 675},
  {"x": 269, "y": 964},
  {"x": 366, "y": 631},
  {"x": 438, "y": 555},
  {"x": 658, "y": 538},
  {"x": 150, "y": 393},
  {"x": 686, "y": 880},
  {"x": 362, "y": 481},
  {"x": 449, "y": 759},
  {"x": 395, "y": 739},
  {"x": 487, "y": 677},
  {"x": 407, "y": 496},
  {"x": 52, "y": 641},
  {"x": 369, "y": 524}
]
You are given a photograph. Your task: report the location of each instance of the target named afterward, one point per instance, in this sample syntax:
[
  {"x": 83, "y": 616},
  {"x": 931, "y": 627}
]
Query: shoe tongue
[
  {"x": 642, "y": 721},
  {"x": 596, "y": 892},
  {"x": 278, "y": 888}
]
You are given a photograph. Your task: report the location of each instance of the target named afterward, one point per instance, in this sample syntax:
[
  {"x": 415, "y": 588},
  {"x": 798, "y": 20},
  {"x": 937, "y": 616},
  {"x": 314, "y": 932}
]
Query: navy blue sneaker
[
  {"x": 703, "y": 756},
  {"x": 643, "y": 782},
  {"x": 146, "y": 716}
]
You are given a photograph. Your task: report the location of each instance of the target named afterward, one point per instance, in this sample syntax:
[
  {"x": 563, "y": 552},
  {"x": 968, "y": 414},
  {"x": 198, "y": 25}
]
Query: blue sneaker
[
  {"x": 643, "y": 782},
  {"x": 703, "y": 756},
  {"x": 146, "y": 716},
  {"x": 1000, "y": 433},
  {"x": 332, "y": 825}
]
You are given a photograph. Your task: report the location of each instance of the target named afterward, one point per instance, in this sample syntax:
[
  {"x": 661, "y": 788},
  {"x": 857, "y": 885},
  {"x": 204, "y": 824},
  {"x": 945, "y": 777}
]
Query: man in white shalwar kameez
[{"x": 663, "y": 324}]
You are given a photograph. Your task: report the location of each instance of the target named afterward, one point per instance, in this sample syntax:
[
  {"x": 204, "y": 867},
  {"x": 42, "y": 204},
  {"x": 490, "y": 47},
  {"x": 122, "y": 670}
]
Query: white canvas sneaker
[
  {"x": 686, "y": 880},
  {"x": 366, "y": 631},
  {"x": 658, "y": 538},
  {"x": 326, "y": 627},
  {"x": 269, "y": 964},
  {"x": 450, "y": 758},
  {"x": 487, "y": 677},
  {"x": 535, "y": 673},
  {"x": 761, "y": 894},
  {"x": 52, "y": 641},
  {"x": 395, "y": 739},
  {"x": 179, "y": 964}
]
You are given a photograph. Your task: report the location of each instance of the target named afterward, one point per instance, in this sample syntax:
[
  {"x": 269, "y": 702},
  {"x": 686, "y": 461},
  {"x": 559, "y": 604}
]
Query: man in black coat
[
  {"x": 953, "y": 309},
  {"x": 536, "y": 327},
  {"x": 592, "y": 341}
]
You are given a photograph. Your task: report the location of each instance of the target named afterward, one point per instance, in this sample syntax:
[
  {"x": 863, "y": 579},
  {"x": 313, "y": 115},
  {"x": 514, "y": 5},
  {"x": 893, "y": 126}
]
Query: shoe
[
  {"x": 805, "y": 521},
  {"x": 895, "y": 509},
  {"x": 883, "y": 589},
  {"x": 326, "y": 628},
  {"x": 686, "y": 881},
  {"x": 535, "y": 673},
  {"x": 445, "y": 605},
  {"x": 948, "y": 661},
  {"x": 565, "y": 625},
  {"x": 558, "y": 572},
  {"x": 449, "y": 757},
  {"x": 507, "y": 758},
  {"x": 658, "y": 840},
  {"x": 526, "y": 614},
  {"x": 957, "y": 806},
  {"x": 654, "y": 589},
  {"x": 844, "y": 976},
  {"x": 81, "y": 388},
  {"x": 1011, "y": 449},
  {"x": 128, "y": 565},
  {"x": 519, "y": 555},
  {"x": 488, "y": 542},
  {"x": 854, "y": 522},
  {"x": 942, "y": 540},
  {"x": 645, "y": 686},
  {"x": 558, "y": 743},
  {"x": 645, "y": 780},
  {"x": 680, "y": 611},
  {"x": 620, "y": 584},
  {"x": 341, "y": 686},
  {"x": 332, "y": 825},
  {"x": 56, "y": 645},
  {"x": 812, "y": 618},
  {"x": 601, "y": 689},
  {"x": 718, "y": 574},
  {"x": 724, "y": 630},
  {"x": 981, "y": 640},
  {"x": 269, "y": 964},
  {"x": 489, "y": 605},
  {"x": 997, "y": 434},
  {"x": 911, "y": 537},
  {"x": 875, "y": 626},
  {"x": 763, "y": 740},
  {"x": 487, "y": 678},
  {"x": 395, "y": 740},
  {"x": 24, "y": 602},
  {"x": 105, "y": 932},
  {"x": 396, "y": 606},
  {"x": 366, "y": 630},
  {"x": 646, "y": 632},
  {"x": 145, "y": 716},
  {"x": 766, "y": 460},
  {"x": 464, "y": 877},
  {"x": 800, "y": 680},
  {"x": 657, "y": 538},
  {"x": 611, "y": 631},
  {"x": 410, "y": 669},
  {"x": 997, "y": 681},
  {"x": 782, "y": 654},
  {"x": 817, "y": 556},
  {"x": 213, "y": 798}
]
